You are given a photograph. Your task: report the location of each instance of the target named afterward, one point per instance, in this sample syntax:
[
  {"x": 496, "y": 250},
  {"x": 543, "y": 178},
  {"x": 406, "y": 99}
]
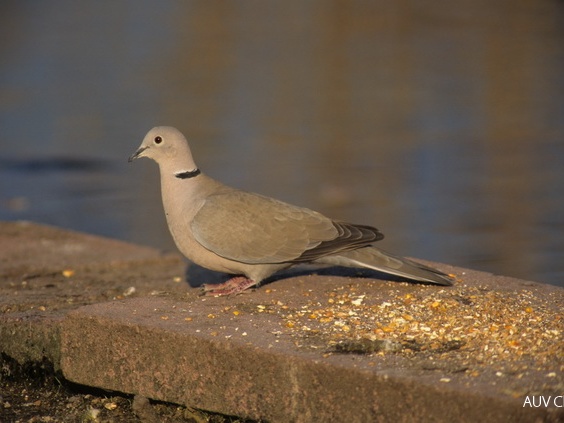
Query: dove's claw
[{"x": 232, "y": 286}]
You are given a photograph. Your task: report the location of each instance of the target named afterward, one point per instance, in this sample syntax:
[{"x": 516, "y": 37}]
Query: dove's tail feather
[{"x": 376, "y": 259}]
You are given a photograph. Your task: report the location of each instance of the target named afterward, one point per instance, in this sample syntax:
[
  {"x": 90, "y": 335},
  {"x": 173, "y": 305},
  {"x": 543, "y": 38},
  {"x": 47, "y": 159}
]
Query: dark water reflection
[{"x": 441, "y": 123}]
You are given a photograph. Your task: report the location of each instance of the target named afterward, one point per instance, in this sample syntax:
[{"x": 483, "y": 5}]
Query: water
[{"x": 441, "y": 123}]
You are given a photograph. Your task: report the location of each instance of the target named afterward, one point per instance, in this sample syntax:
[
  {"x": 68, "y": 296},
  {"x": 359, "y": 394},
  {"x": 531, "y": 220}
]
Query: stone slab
[
  {"x": 47, "y": 271},
  {"x": 239, "y": 356},
  {"x": 312, "y": 345},
  {"x": 28, "y": 249}
]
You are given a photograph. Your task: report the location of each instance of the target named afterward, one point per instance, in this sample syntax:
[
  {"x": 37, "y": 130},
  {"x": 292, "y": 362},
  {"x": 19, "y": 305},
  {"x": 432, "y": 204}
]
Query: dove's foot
[{"x": 232, "y": 286}]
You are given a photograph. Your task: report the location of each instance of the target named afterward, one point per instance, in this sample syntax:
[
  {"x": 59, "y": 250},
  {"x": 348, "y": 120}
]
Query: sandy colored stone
[
  {"x": 47, "y": 271},
  {"x": 311, "y": 345},
  {"x": 239, "y": 356}
]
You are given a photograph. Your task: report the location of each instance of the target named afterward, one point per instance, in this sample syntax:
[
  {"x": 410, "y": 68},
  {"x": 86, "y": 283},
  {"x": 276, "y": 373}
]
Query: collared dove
[{"x": 245, "y": 234}]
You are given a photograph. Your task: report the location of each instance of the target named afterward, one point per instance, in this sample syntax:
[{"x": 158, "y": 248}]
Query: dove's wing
[{"x": 250, "y": 228}]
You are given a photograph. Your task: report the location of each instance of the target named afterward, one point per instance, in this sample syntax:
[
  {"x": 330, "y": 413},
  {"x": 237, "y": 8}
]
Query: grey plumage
[{"x": 242, "y": 233}]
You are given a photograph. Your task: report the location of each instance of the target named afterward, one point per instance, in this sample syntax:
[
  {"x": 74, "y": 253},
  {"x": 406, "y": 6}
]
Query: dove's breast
[{"x": 182, "y": 199}]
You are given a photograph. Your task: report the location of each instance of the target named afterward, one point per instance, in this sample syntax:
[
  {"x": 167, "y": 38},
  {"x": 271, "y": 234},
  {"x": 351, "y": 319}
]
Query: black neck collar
[{"x": 188, "y": 174}]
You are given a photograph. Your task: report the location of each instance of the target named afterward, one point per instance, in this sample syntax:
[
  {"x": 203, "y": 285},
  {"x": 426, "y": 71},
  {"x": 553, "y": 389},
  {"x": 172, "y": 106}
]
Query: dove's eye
[{"x": 158, "y": 140}]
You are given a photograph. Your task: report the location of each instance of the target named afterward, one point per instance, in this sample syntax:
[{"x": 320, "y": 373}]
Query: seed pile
[{"x": 489, "y": 325}]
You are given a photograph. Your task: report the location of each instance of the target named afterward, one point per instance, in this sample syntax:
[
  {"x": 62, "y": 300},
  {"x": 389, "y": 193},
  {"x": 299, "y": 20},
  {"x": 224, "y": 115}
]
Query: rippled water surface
[{"x": 441, "y": 123}]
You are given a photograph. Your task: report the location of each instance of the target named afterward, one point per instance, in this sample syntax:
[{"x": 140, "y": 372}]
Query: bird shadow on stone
[
  {"x": 339, "y": 271},
  {"x": 196, "y": 275}
]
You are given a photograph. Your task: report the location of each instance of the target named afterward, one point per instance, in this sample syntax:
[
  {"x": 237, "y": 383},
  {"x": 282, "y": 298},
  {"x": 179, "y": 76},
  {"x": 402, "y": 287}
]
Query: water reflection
[{"x": 438, "y": 122}]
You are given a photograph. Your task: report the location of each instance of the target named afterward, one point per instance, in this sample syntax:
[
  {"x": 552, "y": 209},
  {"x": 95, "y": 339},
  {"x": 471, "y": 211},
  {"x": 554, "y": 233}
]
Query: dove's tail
[{"x": 376, "y": 259}]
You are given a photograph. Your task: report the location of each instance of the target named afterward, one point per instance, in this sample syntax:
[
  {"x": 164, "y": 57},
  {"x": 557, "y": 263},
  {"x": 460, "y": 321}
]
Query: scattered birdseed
[
  {"x": 67, "y": 273},
  {"x": 472, "y": 324}
]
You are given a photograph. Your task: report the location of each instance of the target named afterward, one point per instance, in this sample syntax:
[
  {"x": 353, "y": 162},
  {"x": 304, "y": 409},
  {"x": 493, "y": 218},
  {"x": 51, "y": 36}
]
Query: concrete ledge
[
  {"x": 47, "y": 271},
  {"x": 310, "y": 347},
  {"x": 244, "y": 366}
]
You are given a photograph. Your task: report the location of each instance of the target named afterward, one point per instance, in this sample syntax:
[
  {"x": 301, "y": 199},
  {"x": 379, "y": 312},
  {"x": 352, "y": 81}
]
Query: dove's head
[{"x": 168, "y": 147}]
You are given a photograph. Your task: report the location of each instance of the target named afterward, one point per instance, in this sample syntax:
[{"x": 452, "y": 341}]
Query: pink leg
[{"x": 232, "y": 286}]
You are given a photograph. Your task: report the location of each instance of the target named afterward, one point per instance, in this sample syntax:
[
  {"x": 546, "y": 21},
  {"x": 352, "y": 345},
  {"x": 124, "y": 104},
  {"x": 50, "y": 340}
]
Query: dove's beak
[{"x": 137, "y": 154}]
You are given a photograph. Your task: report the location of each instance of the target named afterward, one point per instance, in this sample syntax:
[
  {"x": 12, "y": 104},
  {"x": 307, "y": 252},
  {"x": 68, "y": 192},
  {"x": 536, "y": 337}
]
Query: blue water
[{"x": 440, "y": 123}]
